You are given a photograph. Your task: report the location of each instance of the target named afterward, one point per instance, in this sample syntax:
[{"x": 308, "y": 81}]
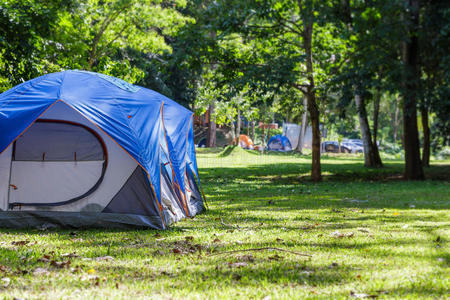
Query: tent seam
[
  {"x": 61, "y": 85},
  {"x": 183, "y": 195}
]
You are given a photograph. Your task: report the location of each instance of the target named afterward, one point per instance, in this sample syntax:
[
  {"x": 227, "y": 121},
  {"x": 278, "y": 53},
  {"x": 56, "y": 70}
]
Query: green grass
[{"x": 394, "y": 243}]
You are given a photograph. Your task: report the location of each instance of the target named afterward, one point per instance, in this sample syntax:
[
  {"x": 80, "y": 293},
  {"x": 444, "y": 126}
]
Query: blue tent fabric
[
  {"x": 176, "y": 122},
  {"x": 132, "y": 116},
  {"x": 191, "y": 150},
  {"x": 279, "y": 143}
]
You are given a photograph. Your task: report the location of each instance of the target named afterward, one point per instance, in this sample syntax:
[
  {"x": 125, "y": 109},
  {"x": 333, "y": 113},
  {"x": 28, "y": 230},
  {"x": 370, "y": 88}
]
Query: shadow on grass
[
  {"x": 265, "y": 266},
  {"x": 299, "y": 172},
  {"x": 287, "y": 186}
]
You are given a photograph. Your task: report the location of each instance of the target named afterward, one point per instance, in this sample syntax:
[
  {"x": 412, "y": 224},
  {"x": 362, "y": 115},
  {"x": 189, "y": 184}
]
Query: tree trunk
[
  {"x": 376, "y": 111},
  {"x": 211, "y": 137},
  {"x": 253, "y": 131},
  {"x": 301, "y": 138},
  {"x": 411, "y": 77},
  {"x": 426, "y": 138},
  {"x": 263, "y": 138},
  {"x": 395, "y": 126},
  {"x": 233, "y": 132},
  {"x": 370, "y": 159},
  {"x": 311, "y": 99},
  {"x": 238, "y": 123}
]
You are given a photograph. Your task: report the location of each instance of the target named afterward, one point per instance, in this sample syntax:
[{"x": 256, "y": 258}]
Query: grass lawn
[{"x": 359, "y": 233}]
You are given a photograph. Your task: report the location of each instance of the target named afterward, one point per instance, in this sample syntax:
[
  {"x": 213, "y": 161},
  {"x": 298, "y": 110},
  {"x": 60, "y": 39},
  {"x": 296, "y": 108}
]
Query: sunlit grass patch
[{"x": 269, "y": 231}]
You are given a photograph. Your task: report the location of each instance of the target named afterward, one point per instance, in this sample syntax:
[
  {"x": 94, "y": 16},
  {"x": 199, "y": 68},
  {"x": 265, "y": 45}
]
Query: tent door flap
[{"x": 55, "y": 163}]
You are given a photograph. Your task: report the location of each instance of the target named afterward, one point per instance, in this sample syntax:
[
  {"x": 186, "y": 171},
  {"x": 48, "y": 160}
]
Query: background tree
[{"x": 25, "y": 30}]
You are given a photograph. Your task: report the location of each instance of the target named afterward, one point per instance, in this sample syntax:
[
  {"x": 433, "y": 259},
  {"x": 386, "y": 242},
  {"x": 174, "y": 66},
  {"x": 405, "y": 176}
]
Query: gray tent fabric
[
  {"x": 171, "y": 205},
  {"x": 78, "y": 220},
  {"x": 170, "y": 190},
  {"x": 195, "y": 203},
  {"x": 58, "y": 141},
  {"x": 135, "y": 197}
]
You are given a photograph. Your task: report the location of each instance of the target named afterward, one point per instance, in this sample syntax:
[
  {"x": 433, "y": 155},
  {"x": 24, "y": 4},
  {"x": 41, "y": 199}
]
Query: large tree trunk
[
  {"x": 211, "y": 137},
  {"x": 301, "y": 138},
  {"x": 370, "y": 159},
  {"x": 238, "y": 124},
  {"x": 411, "y": 76},
  {"x": 232, "y": 131},
  {"x": 311, "y": 99},
  {"x": 395, "y": 125},
  {"x": 426, "y": 138},
  {"x": 376, "y": 111}
]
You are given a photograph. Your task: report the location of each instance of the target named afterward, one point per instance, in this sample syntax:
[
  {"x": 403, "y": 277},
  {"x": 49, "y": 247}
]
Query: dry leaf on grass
[
  {"x": 362, "y": 295},
  {"x": 338, "y": 234},
  {"x": 276, "y": 257},
  {"x": 19, "y": 243},
  {"x": 333, "y": 265},
  {"x": 248, "y": 258},
  {"x": 60, "y": 264},
  {"x": 77, "y": 269},
  {"x": 177, "y": 251},
  {"x": 104, "y": 258},
  {"x": 40, "y": 271},
  {"x": 88, "y": 277},
  {"x": 4, "y": 269},
  {"x": 238, "y": 264},
  {"x": 45, "y": 258},
  {"x": 72, "y": 255}
]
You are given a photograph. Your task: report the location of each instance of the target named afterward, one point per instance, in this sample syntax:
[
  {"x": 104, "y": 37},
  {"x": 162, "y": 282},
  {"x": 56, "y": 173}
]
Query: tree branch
[
  {"x": 106, "y": 22},
  {"x": 301, "y": 87}
]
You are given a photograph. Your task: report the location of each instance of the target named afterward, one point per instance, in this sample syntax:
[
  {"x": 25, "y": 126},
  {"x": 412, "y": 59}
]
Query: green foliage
[
  {"x": 246, "y": 55},
  {"x": 118, "y": 38},
  {"x": 25, "y": 30},
  {"x": 100, "y": 36}
]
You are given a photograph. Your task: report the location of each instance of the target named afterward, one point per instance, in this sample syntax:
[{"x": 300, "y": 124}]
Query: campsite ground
[{"x": 359, "y": 233}]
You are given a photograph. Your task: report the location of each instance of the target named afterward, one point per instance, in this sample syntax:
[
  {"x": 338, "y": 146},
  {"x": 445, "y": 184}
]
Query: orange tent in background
[{"x": 246, "y": 142}]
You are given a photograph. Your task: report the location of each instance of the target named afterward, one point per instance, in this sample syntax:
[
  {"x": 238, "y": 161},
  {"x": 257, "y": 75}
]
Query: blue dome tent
[
  {"x": 81, "y": 149},
  {"x": 279, "y": 143}
]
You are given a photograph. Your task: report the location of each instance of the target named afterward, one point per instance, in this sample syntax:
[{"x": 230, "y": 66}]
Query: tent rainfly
[
  {"x": 279, "y": 143},
  {"x": 82, "y": 149}
]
